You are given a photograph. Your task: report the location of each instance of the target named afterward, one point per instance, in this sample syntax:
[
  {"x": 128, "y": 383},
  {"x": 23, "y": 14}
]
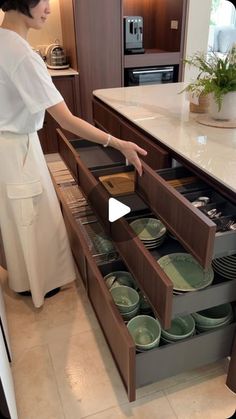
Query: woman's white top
[{"x": 26, "y": 88}]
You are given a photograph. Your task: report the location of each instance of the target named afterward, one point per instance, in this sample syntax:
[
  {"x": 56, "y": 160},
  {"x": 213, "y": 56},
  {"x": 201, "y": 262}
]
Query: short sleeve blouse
[{"x": 26, "y": 88}]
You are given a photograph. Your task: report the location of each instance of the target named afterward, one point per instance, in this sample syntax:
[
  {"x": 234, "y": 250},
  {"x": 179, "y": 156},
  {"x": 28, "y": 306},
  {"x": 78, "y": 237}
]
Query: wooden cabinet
[
  {"x": 69, "y": 88},
  {"x": 93, "y": 37},
  {"x": 138, "y": 369},
  {"x": 96, "y": 36}
]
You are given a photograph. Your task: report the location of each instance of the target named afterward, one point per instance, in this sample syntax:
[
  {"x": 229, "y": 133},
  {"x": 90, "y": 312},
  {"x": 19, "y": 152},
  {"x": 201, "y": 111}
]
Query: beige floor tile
[
  {"x": 87, "y": 378},
  {"x": 151, "y": 407},
  {"x": 206, "y": 398},
  {"x": 64, "y": 314},
  {"x": 35, "y": 386}
]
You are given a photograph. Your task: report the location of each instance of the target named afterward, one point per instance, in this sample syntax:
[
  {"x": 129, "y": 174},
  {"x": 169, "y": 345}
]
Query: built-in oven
[{"x": 150, "y": 75}]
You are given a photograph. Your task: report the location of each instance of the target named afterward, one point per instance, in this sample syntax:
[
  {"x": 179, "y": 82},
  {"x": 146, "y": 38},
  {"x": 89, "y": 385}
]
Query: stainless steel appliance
[
  {"x": 133, "y": 34},
  {"x": 150, "y": 75},
  {"x": 56, "y": 58}
]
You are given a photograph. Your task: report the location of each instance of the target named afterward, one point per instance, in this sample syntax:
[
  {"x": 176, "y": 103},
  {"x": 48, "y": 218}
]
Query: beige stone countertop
[
  {"x": 164, "y": 113},
  {"x": 60, "y": 72}
]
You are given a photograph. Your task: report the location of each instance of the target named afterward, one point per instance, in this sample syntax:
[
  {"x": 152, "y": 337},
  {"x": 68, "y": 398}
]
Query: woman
[{"x": 35, "y": 241}]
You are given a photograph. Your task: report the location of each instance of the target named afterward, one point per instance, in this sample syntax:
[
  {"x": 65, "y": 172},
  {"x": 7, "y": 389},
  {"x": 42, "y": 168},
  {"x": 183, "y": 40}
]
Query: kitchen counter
[
  {"x": 66, "y": 72},
  {"x": 164, "y": 114}
]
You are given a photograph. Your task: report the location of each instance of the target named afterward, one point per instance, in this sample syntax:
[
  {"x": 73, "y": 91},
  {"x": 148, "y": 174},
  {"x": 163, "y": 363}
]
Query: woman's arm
[{"x": 78, "y": 126}]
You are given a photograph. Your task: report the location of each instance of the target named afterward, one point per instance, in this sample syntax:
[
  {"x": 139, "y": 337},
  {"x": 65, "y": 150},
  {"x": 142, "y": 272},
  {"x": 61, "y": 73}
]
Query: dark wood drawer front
[
  {"x": 115, "y": 330},
  {"x": 157, "y": 158},
  {"x": 105, "y": 119},
  {"x": 169, "y": 360},
  {"x": 67, "y": 153},
  {"x": 151, "y": 278},
  {"x": 193, "y": 229}
]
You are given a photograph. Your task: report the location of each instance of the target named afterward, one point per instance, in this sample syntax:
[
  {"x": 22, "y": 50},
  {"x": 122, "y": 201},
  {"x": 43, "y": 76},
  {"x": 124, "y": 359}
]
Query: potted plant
[{"x": 216, "y": 78}]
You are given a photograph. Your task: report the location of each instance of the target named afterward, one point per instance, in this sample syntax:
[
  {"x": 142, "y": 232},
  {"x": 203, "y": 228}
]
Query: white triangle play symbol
[{"x": 116, "y": 209}]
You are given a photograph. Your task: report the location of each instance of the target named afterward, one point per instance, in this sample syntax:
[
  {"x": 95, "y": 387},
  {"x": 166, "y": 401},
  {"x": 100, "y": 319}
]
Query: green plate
[
  {"x": 148, "y": 228},
  {"x": 185, "y": 272}
]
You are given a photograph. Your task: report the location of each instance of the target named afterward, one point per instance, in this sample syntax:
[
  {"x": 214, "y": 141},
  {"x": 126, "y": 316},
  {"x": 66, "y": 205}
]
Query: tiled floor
[{"x": 63, "y": 369}]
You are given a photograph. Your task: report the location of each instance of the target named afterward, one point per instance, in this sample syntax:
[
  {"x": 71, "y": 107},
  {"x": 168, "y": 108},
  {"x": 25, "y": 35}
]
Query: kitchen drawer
[
  {"x": 142, "y": 263},
  {"x": 139, "y": 369},
  {"x": 172, "y": 359},
  {"x": 196, "y": 231},
  {"x": 156, "y": 157},
  {"x": 106, "y": 119}
]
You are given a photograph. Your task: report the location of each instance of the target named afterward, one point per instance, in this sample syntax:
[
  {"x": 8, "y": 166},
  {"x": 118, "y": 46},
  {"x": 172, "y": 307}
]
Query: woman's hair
[{"x": 22, "y": 6}]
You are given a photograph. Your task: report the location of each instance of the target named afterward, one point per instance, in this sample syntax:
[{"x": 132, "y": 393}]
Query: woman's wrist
[{"x": 113, "y": 142}]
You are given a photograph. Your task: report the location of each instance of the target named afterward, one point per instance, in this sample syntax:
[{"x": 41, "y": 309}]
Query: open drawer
[
  {"x": 142, "y": 263},
  {"x": 138, "y": 369},
  {"x": 190, "y": 225}
]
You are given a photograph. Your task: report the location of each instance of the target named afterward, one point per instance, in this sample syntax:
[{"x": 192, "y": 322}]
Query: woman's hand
[{"x": 131, "y": 152}]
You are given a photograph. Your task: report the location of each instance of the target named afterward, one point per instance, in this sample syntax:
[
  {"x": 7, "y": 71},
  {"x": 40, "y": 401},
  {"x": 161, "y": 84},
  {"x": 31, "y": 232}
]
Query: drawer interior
[
  {"x": 194, "y": 188},
  {"x": 96, "y": 156}
]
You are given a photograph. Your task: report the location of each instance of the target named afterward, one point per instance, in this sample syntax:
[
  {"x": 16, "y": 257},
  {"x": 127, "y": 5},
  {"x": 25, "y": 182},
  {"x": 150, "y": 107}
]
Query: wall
[
  {"x": 51, "y": 30},
  {"x": 197, "y": 31}
]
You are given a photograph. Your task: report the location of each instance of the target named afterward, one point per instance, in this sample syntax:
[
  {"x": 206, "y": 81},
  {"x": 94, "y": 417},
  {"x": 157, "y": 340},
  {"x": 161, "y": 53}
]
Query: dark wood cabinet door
[{"x": 98, "y": 27}]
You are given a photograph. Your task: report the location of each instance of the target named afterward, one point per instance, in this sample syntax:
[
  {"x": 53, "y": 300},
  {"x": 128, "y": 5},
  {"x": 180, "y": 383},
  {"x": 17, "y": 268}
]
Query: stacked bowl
[
  {"x": 145, "y": 331},
  {"x": 150, "y": 231},
  {"x": 127, "y": 301},
  {"x": 213, "y": 317},
  {"x": 117, "y": 278},
  {"x": 181, "y": 328}
]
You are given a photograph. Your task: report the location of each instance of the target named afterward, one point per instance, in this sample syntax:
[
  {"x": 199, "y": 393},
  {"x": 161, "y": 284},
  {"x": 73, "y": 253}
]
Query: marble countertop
[{"x": 164, "y": 113}]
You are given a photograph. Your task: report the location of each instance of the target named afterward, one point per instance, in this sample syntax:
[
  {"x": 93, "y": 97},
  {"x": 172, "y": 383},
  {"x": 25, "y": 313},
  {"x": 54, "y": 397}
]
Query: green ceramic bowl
[
  {"x": 145, "y": 331},
  {"x": 126, "y": 298},
  {"x": 128, "y": 316},
  {"x": 214, "y": 315},
  {"x": 117, "y": 278},
  {"x": 181, "y": 328}
]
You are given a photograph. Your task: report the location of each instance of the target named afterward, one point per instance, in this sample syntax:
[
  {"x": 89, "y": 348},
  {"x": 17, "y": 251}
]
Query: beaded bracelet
[{"x": 108, "y": 141}]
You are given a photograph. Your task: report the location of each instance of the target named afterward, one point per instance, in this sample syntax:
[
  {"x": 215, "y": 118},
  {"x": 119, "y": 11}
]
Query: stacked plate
[
  {"x": 225, "y": 266},
  {"x": 151, "y": 231},
  {"x": 213, "y": 317},
  {"x": 182, "y": 327},
  {"x": 185, "y": 272}
]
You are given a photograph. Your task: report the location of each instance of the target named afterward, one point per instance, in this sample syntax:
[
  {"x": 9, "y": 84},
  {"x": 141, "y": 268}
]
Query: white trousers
[{"x": 35, "y": 242}]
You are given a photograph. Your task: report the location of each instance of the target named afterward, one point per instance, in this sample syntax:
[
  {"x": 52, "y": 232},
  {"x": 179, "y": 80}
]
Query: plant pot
[
  {"x": 228, "y": 108},
  {"x": 202, "y": 105}
]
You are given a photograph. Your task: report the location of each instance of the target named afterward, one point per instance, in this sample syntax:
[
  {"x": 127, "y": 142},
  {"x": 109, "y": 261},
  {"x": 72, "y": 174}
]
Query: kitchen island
[
  {"x": 159, "y": 114},
  {"x": 163, "y": 113}
]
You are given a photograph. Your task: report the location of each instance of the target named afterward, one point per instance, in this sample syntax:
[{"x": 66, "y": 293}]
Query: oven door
[{"x": 150, "y": 75}]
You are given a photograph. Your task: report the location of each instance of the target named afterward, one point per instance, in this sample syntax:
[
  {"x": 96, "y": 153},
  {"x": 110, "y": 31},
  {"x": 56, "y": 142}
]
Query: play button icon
[{"x": 116, "y": 209}]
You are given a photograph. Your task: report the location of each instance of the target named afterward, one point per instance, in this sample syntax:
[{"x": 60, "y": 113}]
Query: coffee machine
[{"x": 133, "y": 35}]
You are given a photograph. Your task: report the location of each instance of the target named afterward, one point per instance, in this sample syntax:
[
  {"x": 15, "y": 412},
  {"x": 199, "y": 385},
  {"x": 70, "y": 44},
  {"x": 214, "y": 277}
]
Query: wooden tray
[{"x": 118, "y": 183}]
